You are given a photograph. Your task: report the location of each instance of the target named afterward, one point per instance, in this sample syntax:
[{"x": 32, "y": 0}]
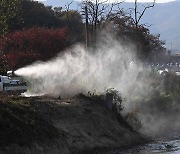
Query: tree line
[{"x": 28, "y": 28}]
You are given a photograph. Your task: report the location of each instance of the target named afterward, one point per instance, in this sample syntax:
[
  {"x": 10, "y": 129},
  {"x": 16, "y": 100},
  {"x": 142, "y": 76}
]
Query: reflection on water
[{"x": 168, "y": 147}]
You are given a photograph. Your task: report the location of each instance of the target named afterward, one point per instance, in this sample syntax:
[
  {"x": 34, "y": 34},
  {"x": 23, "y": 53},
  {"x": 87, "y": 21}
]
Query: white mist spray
[{"x": 79, "y": 71}]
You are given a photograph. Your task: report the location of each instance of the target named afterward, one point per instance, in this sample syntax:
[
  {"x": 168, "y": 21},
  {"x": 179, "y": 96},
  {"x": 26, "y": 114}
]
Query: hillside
[
  {"x": 48, "y": 125},
  {"x": 165, "y": 20}
]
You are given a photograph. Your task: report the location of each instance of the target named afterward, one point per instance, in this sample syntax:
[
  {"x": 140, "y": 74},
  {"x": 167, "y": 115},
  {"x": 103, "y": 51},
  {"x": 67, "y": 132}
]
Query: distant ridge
[{"x": 164, "y": 19}]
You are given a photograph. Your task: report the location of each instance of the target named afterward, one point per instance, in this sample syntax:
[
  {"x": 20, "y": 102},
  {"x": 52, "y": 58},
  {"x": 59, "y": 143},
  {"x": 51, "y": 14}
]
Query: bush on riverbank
[{"x": 159, "y": 111}]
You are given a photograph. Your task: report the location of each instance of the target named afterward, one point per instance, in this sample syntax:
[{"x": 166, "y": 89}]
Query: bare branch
[
  {"x": 139, "y": 15},
  {"x": 147, "y": 25},
  {"x": 112, "y": 7},
  {"x": 67, "y": 7},
  {"x": 97, "y": 12},
  {"x": 147, "y": 7}
]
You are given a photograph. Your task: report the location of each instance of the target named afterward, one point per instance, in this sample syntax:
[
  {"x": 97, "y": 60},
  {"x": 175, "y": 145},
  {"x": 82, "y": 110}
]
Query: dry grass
[{"x": 21, "y": 124}]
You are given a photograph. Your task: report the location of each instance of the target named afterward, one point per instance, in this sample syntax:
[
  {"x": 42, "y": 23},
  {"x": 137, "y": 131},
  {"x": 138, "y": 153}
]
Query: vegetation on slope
[{"x": 21, "y": 124}]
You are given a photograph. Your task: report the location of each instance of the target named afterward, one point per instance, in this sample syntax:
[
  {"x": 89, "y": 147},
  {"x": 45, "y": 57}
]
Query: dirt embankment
[{"x": 46, "y": 125}]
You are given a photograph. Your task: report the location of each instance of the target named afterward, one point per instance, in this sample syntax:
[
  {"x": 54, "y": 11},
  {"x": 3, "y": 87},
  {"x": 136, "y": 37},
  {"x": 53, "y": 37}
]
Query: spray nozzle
[{"x": 10, "y": 73}]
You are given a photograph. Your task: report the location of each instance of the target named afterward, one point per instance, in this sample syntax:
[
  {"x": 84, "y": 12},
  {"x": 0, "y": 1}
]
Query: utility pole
[
  {"x": 171, "y": 46},
  {"x": 87, "y": 26}
]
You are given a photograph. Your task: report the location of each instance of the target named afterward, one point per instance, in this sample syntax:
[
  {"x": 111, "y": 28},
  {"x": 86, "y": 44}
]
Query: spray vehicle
[{"x": 12, "y": 84}]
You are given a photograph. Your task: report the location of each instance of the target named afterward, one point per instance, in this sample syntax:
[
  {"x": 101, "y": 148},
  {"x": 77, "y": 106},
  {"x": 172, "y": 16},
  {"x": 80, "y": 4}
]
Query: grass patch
[{"x": 21, "y": 124}]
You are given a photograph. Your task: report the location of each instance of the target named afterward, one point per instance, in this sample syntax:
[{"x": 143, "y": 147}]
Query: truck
[{"x": 10, "y": 85}]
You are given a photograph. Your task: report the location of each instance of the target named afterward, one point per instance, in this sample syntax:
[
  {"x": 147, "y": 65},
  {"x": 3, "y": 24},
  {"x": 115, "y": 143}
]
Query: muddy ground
[{"x": 50, "y": 125}]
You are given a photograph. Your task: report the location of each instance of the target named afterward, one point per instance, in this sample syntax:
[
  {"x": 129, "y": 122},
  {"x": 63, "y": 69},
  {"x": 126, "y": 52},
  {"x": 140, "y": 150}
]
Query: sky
[{"x": 157, "y": 1}]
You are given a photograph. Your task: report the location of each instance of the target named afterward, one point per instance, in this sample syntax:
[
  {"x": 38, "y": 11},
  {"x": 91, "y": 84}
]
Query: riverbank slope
[{"x": 48, "y": 125}]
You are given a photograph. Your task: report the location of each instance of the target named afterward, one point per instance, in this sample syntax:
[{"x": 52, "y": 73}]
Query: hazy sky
[{"x": 158, "y": 1}]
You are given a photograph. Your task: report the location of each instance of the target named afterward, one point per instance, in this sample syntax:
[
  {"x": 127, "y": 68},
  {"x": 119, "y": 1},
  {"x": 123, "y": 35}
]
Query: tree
[
  {"x": 26, "y": 46},
  {"x": 39, "y": 15},
  {"x": 3, "y": 64},
  {"x": 129, "y": 29},
  {"x": 148, "y": 46},
  {"x": 19, "y": 14},
  {"x": 20, "y": 59},
  {"x": 71, "y": 19},
  {"x": 10, "y": 15},
  {"x": 137, "y": 14},
  {"x": 95, "y": 12}
]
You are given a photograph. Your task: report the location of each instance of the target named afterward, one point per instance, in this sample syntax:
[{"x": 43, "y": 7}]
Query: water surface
[{"x": 159, "y": 147}]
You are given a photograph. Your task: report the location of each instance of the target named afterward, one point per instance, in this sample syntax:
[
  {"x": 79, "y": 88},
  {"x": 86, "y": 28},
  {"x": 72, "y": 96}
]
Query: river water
[
  {"x": 167, "y": 145},
  {"x": 164, "y": 147}
]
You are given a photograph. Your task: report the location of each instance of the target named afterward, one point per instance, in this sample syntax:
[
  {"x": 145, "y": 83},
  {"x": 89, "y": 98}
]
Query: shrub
[
  {"x": 3, "y": 64},
  {"x": 33, "y": 44}
]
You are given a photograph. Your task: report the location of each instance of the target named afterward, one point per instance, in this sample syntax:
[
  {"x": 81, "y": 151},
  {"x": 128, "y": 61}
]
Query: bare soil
[{"x": 49, "y": 125}]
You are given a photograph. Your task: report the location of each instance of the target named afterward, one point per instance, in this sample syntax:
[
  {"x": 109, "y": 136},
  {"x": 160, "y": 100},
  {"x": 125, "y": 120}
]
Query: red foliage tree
[
  {"x": 19, "y": 59},
  {"x": 3, "y": 64},
  {"x": 23, "y": 47}
]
